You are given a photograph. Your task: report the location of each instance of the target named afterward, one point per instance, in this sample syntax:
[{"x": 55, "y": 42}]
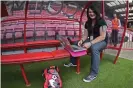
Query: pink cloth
[{"x": 77, "y": 54}]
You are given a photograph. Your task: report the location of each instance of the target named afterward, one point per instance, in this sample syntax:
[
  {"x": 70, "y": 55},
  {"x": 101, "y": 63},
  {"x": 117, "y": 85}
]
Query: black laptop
[{"x": 66, "y": 44}]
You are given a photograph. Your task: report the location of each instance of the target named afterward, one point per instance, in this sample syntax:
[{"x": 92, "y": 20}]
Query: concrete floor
[{"x": 127, "y": 54}]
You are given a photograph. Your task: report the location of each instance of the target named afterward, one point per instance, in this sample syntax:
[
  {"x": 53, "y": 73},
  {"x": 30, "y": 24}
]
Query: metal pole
[
  {"x": 24, "y": 75},
  {"x": 125, "y": 27},
  {"x": 26, "y": 9}
]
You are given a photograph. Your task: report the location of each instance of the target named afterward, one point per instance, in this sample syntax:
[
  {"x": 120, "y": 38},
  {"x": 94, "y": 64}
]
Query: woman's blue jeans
[{"x": 95, "y": 50}]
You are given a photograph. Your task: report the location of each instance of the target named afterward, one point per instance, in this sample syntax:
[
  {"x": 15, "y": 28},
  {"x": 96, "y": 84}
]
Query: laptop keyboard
[{"x": 75, "y": 48}]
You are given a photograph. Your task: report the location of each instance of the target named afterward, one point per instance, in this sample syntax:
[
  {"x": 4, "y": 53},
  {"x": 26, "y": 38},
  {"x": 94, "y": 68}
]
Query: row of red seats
[{"x": 38, "y": 30}]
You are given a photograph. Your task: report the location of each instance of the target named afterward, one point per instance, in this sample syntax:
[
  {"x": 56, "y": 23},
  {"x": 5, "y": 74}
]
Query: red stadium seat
[
  {"x": 46, "y": 43},
  {"x": 27, "y": 57},
  {"x": 40, "y": 30},
  {"x": 61, "y": 28},
  {"x": 51, "y": 29},
  {"x": 30, "y": 29},
  {"x": 19, "y": 31}
]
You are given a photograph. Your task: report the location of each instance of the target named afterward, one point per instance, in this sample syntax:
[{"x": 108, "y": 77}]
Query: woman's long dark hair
[{"x": 89, "y": 20}]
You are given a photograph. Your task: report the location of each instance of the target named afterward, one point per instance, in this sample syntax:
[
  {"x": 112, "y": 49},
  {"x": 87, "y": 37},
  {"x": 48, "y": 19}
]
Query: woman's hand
[
  {"x": 80, "y": 42},
  {"x": 87, "y": 45}
]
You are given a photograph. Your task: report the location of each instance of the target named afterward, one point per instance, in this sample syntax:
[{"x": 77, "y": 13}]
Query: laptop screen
[{"x": 65, "y": 42}]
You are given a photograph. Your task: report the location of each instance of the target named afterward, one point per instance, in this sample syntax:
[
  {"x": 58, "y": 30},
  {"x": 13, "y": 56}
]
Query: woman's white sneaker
[
  {"x": 70, "y": 65},
  {"x": 89, "y": 78}
]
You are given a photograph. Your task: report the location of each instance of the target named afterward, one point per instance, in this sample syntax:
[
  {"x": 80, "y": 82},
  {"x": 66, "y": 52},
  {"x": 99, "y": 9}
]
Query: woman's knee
[
  {"x": 94, "y": 48},
  {"x": 98, "y": 46}
]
